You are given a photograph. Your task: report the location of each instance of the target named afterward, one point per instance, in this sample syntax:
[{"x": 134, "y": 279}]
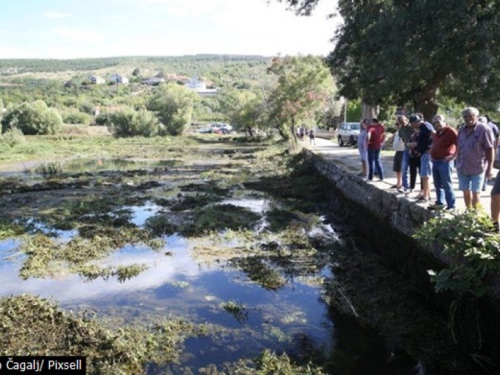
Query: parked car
[
  {"x": 221, "y": 128},
  {"x": 348, "y": 133},
  {"x": 205, "y": 130}
]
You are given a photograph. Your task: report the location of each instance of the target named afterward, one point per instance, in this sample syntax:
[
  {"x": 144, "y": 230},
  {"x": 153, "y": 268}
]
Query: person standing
[
  {"x": 494, "y": 127},
  {"x": 496, "y": 134},
  {"x": 413, "y": 163},
  {"x": 443, "y": 149},
  {"x": 405, "y": 132},
  {"x": 363, "y": 148},
  {"x": 397, "y": 165},
  {"x": 312, "y": 136},
  {"x": 495, "y": 203},
  {"x": 375, "y": 138},
  {"x": 474, "y": 156},
  {"x": 423, "y": 145}
]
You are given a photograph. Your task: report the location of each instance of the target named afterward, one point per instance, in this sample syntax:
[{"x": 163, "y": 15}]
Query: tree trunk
[
  {"x": 424, "y": 102},
  {"x": 368, "y": 111}
]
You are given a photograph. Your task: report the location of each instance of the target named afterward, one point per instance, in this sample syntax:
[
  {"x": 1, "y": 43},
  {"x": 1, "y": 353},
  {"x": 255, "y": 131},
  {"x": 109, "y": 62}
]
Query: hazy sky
[{"x": 99, "y": 28}]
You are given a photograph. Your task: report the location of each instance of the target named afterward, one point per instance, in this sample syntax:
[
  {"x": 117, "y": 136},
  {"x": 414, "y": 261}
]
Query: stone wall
[
  {"x": 389, "y": 222},
  {"x": 401, "y": 214}
]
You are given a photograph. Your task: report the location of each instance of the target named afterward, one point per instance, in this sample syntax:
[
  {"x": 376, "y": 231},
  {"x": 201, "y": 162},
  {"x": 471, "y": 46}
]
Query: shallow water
[{"x": 293, "y": 318}]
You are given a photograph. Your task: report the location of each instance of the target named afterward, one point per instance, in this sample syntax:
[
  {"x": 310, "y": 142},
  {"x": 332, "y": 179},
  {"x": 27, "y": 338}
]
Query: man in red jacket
[
  {"x": 443, "y": 150},
  {"x": 375, "y": 138}
]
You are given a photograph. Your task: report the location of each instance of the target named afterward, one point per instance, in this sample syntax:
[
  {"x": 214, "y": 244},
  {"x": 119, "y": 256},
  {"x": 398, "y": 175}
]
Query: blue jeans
[
  {"x": 404, "y": 168},
  {"x": 441, "y": 173},
  {"x": 374, "y": 162}
]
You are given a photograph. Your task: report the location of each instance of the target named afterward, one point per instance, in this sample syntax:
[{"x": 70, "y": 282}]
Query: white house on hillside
[
  {"x": 96, "y": 80},
  {"x": 116, "y": 78},
  {"x": 200, "y": 87}
]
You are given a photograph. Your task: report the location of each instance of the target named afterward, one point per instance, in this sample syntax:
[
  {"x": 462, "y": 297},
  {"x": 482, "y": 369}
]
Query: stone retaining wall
[
  {"x": 401, "y": 214},
  {"x": 390, "y": 223}
]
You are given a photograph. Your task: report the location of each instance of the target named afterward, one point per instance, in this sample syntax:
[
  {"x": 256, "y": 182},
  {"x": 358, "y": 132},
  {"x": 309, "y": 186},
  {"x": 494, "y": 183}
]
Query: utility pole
[
  {"x": 344, "y": 102},
  {"x": 345, "y": 109}
]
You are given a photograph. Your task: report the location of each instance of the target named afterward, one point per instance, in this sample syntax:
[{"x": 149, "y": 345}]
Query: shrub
[
  {"x": 87, "y": 107},
  {"x": 102, "y": 119},
  {"x": 12, "y": 137},
  {"x": 76, "y": 118},
  {"x": 131, "y": 123},
  {"x": 466, "y": 239},
  {"x": 32, "y": 118}
]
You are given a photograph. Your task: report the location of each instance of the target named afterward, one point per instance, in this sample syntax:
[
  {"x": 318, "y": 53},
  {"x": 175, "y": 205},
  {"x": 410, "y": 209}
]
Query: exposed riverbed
[{"x": 242, "y": 245}]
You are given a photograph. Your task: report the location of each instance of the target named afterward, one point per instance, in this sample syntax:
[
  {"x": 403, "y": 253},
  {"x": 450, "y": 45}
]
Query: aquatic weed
[{"x": 33, "y": 326}]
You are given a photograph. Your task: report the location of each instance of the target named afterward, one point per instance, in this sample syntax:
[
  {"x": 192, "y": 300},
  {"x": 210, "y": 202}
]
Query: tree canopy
[
  {"x": 174, "y": 107},
  {"x": 303, "y": 89},
  {"x": 406, "y": 51}
]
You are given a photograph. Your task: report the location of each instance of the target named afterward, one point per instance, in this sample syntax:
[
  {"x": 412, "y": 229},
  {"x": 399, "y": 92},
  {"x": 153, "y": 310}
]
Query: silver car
[{"x": 348, "y": 133}]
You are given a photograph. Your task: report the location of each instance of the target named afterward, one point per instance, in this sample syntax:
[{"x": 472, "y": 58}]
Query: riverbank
[{"x": 388, "y": 220}]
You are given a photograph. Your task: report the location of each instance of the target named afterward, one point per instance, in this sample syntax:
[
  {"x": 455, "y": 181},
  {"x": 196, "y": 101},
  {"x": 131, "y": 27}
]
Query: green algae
[{"x": 34, "y": 326}]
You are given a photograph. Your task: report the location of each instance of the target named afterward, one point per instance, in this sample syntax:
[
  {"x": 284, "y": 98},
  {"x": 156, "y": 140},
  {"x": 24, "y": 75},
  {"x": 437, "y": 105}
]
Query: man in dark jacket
[{"x": 423, "y": 145}]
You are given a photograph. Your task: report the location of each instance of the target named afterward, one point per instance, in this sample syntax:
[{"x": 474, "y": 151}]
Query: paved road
[{"x": 349, "y": 158}]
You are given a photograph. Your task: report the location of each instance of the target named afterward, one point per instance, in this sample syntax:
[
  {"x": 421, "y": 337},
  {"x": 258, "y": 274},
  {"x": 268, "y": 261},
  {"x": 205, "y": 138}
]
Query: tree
[
  {"x": 137, "y": 72},
  {"x": 173, "y": 105},
  {"x": 32, "y": 118},
  {"x": 243, "y": 109},
  {"x": 407, "y": 51},
  {"x": 304, "y": 87},
  {"x": 129, "y": 123}
]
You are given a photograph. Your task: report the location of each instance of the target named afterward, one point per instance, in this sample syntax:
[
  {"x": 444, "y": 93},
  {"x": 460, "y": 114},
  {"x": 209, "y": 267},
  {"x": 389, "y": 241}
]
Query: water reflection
[{"x": 292, "y": 318}]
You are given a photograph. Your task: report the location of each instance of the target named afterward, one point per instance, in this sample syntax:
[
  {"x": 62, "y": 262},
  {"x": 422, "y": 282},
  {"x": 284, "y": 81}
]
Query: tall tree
[
  {"x": 303, "y": 89},
  {"x": 173, "y": 105},
  {"x": 406, "y": 50},
  {"x": 242, "y": 108}
]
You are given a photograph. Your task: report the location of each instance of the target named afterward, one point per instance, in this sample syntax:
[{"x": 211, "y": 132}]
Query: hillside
[{"x": 217, "y": 68}]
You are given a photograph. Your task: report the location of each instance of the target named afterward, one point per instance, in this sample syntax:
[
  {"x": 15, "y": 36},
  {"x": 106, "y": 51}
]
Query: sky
[{"x": 62, "y": 29}]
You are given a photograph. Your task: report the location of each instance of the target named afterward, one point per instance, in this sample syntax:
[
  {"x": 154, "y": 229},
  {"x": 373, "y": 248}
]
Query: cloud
[
  {"x": 81, "y": 35},
  {"x": 193, "y": 8},
  {"x": 18, "y": 53},
  {"x": 51, "y": 14}
]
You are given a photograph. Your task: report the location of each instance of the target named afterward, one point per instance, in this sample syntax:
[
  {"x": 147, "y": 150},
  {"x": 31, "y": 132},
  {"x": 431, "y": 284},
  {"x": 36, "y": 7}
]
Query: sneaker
[
  {"x": 402, "y": 190},
  {"x": 436, "y": 207},
  {"x": 422, "y": 200}
]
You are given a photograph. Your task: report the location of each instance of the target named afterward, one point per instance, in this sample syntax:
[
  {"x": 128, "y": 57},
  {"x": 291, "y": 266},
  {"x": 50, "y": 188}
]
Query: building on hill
[
  {"x": 182, "y": 79},
  {"x": 172, "y": 77},
  {"x": 153, "y": 81},
  {"x": 117, "y": 78},
  {"x": 96, "y": 80},
  {"x": 200, "y": 87}
]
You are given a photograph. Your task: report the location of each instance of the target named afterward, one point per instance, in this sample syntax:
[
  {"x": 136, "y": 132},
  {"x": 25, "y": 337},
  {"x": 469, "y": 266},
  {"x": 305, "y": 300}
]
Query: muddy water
[{"x": 222, "y": 281}]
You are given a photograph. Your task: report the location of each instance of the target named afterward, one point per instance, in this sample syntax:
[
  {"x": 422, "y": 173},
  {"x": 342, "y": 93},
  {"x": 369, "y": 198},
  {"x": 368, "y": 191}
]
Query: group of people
[
  {"x": 433, "y": 149},
  {"x": 302, "y": 131}
]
